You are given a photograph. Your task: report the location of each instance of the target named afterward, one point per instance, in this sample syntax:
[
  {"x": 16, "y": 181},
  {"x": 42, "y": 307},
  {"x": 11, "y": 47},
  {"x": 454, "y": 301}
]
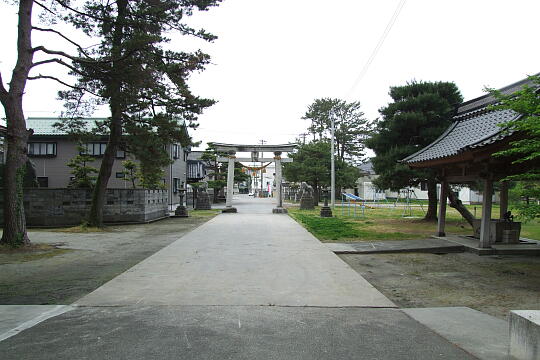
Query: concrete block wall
[{"x": 64, "y": 207}]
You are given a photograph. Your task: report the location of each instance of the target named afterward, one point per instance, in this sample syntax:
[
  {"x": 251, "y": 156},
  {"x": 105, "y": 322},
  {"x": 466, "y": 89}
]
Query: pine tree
[
  {"x": 143, "y": 83},
  {"x": 419, "y": 113}
]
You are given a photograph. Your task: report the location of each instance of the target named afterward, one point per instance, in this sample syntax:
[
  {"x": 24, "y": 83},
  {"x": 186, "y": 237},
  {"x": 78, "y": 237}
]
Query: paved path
[
  {"x": 250, "y": 258},
  {"x": 251, "y": 285}
]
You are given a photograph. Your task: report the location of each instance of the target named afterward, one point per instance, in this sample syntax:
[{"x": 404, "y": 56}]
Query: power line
[{"x": 380, "y": 43}]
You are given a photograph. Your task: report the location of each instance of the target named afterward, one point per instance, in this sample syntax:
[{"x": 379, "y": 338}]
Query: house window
[
  {"x": 120, "y": 154},
  {"x": 120, "y": 175},
  {"x": 43, "y": 181},
  {"x": 176, "y": 151},
  {"x": 41, "y": 149},
  {"x": 423, "y": 186},
  {"x": 95, "y": 149}
]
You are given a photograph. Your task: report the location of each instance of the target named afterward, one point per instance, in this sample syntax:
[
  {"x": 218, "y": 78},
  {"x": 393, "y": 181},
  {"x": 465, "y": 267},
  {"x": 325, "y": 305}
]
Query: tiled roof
[
  {"x": 366, "y": 168},
  {"x": 474, "y": 126},
  {"x": 44, "y": 126},
  {"x": 478, "y": 128}
]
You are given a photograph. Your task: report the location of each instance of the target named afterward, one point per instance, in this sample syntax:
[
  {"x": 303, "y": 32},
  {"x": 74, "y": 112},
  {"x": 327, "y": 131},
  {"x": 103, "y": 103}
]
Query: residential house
[
  {"x": 50, "y": 149},
  {"x": 196, "y": 168}
]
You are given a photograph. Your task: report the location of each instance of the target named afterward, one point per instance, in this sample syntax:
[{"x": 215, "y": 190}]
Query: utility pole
[
  {"x": 332, "y": 165},
  {"x": 303, "y": 136},
  {"x": 262, "y": 142}
]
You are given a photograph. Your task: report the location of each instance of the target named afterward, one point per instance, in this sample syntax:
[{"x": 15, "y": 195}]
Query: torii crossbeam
[{"x": 232, "y": 149}]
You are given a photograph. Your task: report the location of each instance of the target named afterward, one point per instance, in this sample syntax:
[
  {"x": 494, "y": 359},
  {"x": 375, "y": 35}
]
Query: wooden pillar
[
  {"x": 485, "y": 227},
  {"x": 230, "y": 180},
  {"x": 442, "y": 209},
  {"x": 503, "y": 198}
]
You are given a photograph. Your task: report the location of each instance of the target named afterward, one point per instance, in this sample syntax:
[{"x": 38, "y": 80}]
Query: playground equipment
[
  {"x": 407, "y": 195},
  {"x": 351, "y": 199}
]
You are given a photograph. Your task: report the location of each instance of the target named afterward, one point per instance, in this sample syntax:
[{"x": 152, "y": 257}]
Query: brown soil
[{"x": 491, "y": 284}]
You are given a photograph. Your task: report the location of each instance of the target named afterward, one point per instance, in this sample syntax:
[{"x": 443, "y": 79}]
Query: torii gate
[{"x": 231, "y": 150}]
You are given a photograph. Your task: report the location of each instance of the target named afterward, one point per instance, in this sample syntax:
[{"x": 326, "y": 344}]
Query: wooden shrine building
[{"x": 464, "y": 154}]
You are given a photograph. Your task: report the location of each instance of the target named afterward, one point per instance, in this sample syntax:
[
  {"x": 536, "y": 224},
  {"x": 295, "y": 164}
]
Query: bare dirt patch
[
  {"x": 491, "y": 284},
  {"x": 62, "y": 266}
]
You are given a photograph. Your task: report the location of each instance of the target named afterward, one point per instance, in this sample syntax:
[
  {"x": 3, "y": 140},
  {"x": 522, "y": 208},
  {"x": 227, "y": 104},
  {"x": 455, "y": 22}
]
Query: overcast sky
[{"x": 273, "y": 58}]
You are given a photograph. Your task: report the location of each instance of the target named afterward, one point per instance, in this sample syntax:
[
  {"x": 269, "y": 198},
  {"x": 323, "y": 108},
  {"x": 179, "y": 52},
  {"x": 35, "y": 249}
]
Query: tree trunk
[
  {"x": 458, "y": 205},
  {"x": 95, "y": 217},
  {"x": 431, "y": 214},
  {"x": 14, "y": 233},
  {"x": 117, "y": 106}
]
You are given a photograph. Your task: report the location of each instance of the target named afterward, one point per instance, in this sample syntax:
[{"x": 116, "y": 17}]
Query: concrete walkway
[
  {"x": 251, "y": 285},
  {"x": 249, "y": 258}
]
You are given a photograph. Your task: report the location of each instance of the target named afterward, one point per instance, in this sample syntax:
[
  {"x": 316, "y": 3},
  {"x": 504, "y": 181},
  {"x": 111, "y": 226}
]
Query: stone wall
[{"x": 62, "y": 207}]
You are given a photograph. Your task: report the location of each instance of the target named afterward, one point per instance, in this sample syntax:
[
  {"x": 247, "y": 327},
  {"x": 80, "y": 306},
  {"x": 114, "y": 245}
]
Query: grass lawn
[{"x": 387, "y": 224}]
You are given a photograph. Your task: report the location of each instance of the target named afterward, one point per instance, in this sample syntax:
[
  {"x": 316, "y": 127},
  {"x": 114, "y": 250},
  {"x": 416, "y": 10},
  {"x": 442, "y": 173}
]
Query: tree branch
[
  {"x": 61, "y": 62},
  {"x": 79, "y": 12},
  {"x": 44, "y": 7},
  {"x": 63, "y": 37},
  {"x": 63, "y": 83},
  {"x": 81, "y": 60}
]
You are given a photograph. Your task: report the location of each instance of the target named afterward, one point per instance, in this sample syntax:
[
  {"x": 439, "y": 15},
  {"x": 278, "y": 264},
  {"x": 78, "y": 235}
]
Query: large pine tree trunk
[
  {"x": 14, "y": 218},
  {"x": 458, "y": 205},
  {"x": 117, "y": 105},
  {"x": 14, "y": 233},
  {"x": 431, "y": 214},
  {"x": 95, "y": 217}
]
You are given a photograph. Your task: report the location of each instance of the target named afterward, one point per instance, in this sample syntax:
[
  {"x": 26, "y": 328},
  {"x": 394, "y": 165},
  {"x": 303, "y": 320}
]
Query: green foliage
[
  {"x": 82, "y": 172},
  {"x": 526, "y": 195},
  {"x": 239, "y": 175},
  {"x": 197, "y": 185},
  {"x": 526, "y": 148},
  {"x": 131, "y": 172},
  {"x": 351, "y": 128},
  {"x": 149, "y": 141},
  {"x": 216, "y": 169},
  {"x": 131, "y": 70},
  {"x": 217, "y": 184},
  {"x": 419, "y": 113},
  {"x": 311, "y": 163}
]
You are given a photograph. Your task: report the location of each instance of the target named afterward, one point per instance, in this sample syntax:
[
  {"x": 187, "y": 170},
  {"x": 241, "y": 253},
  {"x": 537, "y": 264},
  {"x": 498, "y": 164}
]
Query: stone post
[
  {"x": 230, "y": 184},
  {"x": 279, "y": 209},
  {"x": 485, "y": 227}
]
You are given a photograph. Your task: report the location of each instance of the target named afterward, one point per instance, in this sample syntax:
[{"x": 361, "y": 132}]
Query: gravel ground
[
  {"x": 491, "y": 284},
  {"x": 65, "y": 266}
]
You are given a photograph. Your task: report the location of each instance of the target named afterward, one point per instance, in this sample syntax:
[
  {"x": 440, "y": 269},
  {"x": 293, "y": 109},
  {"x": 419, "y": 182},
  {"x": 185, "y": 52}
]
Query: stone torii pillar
[
  {"x": 230, "y": 183},
  {"x": 279, "y": 209},
  {"x": 232, "y": 149}
]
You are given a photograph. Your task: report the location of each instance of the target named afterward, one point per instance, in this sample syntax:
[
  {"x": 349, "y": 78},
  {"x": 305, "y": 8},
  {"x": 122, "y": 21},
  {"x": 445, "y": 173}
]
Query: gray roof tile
[
  {"x": 474, "y": 126},
  {"x": 469, "y": 130}
]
